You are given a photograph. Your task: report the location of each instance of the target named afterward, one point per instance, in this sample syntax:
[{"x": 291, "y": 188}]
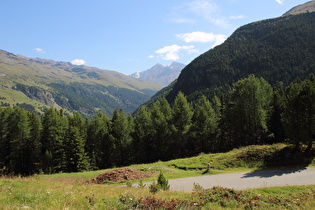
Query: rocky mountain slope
[
  {"x": 36, "y": 84},
  {"x": 160, "y": 74}
]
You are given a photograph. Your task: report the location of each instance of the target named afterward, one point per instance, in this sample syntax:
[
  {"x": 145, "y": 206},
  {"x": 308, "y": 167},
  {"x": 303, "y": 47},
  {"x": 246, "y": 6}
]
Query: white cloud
[
  {"x": 202, "y": 37},
  {"x": 280, "y": 1},
  {"x": 198, "y": 36},
  {"x": 78, "y": 62},
  {"x": 172, "y": 52},
  {"x": 39, "y": 50},
  {"x": 151, "y": 56},
  {"x": 219, "y": 40}
]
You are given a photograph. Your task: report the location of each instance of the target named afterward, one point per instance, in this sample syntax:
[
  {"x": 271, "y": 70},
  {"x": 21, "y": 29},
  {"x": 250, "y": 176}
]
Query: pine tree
[
  {"x": 121, "y": 137},
  {"x": 4, "y": 138},
  {"x": 275, "y": 124},
  {"x": 161, "y": 118},
  {"x": 145, "y": 144},
  {"x": 54, "y": 131},
  {"x": 162, "y": 182},
  {"x": 204, "y": 128},
  {"x": 99, "y": 145},
  {"x": 181, "y": 122},
  {"x": 34, "y": 145},
  {"x": 299, "y": 113},
  {"x": 74, "y": 145},
  {"x": 249, "y": 109},
  {"x": 19, "y": 129}
]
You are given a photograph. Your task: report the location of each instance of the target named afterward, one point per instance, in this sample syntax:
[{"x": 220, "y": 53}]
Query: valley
[{"x": 235, "y": 128}]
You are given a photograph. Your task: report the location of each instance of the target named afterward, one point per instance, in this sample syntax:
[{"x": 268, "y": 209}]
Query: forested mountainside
[
  {"x": 36, "y": 84},
  {"x": 280, "y": 50}
]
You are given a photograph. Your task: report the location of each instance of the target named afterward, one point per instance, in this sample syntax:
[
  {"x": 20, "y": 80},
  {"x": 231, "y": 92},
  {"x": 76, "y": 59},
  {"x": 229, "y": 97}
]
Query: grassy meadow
[{"x": 68, "y": 190}]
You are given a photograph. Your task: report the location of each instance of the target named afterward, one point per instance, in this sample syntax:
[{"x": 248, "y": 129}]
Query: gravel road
[{"x": 240, "y": 181}]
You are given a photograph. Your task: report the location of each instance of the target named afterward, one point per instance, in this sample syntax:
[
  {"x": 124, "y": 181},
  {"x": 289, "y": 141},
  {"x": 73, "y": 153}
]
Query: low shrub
[
  {"x": 130, "y": 202},
  {"x": 163, "y": 182}
]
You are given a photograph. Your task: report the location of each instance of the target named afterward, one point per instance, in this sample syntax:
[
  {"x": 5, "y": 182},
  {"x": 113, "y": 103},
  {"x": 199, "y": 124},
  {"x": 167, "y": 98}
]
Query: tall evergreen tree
[
  {"x": 5, "y": 147},
  {"x": 55, "y": 126},
  {"x": 76, "y": 158},
  {"x": 161, "y": 113},
  {"x": 275, "y": 125},
  {"x": 34, "y": 145},
  {"x": 299, "y": 112},
  {"x": 121, "y": 137},
  {"x": 181, "y": 122},
  {"x": 145, "y": 144},
  {"x": 248, "y": 110},
  {"x": 204, "y": 128},
  {"x": 19, "y": 138},
  {"x": 99, "y": 145}
]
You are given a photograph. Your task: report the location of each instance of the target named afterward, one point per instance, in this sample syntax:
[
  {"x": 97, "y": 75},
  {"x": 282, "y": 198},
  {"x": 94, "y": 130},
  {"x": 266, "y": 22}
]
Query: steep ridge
[{"x": 303, "y": 8}]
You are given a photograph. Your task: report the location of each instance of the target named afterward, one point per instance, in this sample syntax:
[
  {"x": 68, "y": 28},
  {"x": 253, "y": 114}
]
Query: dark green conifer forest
[{"x": 252, "y": 112}]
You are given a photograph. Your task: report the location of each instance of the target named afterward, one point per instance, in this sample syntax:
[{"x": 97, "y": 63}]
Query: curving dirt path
[{"x": 240, "y": 181}]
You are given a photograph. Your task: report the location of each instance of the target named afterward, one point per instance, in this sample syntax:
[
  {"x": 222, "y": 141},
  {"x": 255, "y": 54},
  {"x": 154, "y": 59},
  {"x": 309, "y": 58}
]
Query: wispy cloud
[
  {"x": 237, "y": 17},
  {"x": 206, "y": 8},
  {"x": 209, "y": 10},
  {"x": 202, "y": 37},
  {"x": 39, "y": 50},
  {"x": 78, "y": 62},
  {"x": 172, "y": 52},
  {"x": 193, "y": 10},
  {"x": 280, "y": 1},
  {"x": 151, "y": 56},
  {"x": 181, "y": 20}
]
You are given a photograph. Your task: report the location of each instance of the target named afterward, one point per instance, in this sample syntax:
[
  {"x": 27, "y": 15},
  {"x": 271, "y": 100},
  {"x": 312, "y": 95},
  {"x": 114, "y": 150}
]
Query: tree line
[{"x": 252, "y": 113}]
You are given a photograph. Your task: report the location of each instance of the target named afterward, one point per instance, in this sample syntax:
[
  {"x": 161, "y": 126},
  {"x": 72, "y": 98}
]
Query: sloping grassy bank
[{"x": 255, "y": 157}]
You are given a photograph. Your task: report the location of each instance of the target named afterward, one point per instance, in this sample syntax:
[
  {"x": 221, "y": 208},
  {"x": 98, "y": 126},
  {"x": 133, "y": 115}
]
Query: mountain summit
[
  {"x": 160, "y": 74},
  {"x": 303, "y": 8}
]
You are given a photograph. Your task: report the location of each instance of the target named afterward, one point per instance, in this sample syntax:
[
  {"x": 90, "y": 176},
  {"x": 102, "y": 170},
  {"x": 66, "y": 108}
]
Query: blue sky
[{"x": 126, "y": 36}]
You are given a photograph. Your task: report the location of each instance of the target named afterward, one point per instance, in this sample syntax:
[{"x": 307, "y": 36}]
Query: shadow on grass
[{"x": 288, "y": 160}]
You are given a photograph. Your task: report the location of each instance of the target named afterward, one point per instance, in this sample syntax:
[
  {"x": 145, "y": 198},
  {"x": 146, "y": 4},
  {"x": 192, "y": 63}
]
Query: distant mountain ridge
[
  {"x": 36, "y": 84},
  {"x": 160, "y": 74},
  {"x": 303, "y": 8}
]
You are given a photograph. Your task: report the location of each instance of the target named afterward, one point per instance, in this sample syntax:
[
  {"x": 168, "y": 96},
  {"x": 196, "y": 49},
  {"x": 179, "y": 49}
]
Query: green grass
[
  {"x": 250, "y": 158},
  {"x": 67, "y": 190},
  {"x": 41, "y": 193}
]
